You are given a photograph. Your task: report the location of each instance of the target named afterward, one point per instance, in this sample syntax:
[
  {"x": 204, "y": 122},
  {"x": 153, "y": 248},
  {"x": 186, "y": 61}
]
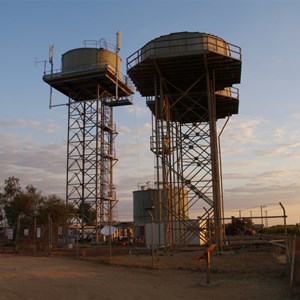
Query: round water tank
[
  {"x": 88, "y": 58},
  {"x": 184, "y": 43}
]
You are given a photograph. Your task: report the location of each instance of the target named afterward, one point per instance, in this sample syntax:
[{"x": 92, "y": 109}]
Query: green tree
[
  {"x": 24, "y": 204},
  {"x": 11, "y": 188},
  {"x": 56, "y": 208},
  {"x": 29, "y": 204},
  {"x": 239, "y": 226}
]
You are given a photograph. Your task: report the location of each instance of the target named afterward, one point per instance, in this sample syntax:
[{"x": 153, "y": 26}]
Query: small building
[{"x": 152, "y": 210}]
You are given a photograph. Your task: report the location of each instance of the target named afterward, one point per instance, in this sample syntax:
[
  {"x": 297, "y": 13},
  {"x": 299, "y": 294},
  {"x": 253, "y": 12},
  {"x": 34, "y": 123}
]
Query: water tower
[
  {"x": 187, "y": 79},
  {"x": 91, "y": 79}
]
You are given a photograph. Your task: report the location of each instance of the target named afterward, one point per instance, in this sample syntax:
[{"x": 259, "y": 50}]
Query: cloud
[
  {"x": 145, "y": 129},
  {"x": 38, "y": 163},
  {"x": 20, "y": 123},
  {"x": 23, "y": 124},
  {"x": 242, "y": 137},
  {"x": 124, "y": 130},
  {"x": 279, "y": 133},
  {"x": 248, "y": 190},
  {"x": 52, "y": 127},
  {"x": 296, "y": 115},
  {"x": 281, "y": 150},
  {"x": 138, "y": 110}
]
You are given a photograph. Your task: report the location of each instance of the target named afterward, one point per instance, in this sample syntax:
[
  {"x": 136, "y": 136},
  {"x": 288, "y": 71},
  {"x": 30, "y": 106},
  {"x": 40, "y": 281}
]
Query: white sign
[
  {"x": 10, "y": 233},
  {"x": 38, "y": 232},
  {"x": 60, "y": 231}
]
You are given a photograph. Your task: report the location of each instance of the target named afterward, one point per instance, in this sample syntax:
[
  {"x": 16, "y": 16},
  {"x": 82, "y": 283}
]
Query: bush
[{"x": 279, "y": 229}]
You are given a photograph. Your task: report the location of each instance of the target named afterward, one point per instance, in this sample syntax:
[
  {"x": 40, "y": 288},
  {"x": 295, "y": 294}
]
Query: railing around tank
[
  {"x": 205, "y": 42},
  {"x": 231, "y": 92},
  {"x": 88, "y": 68}
]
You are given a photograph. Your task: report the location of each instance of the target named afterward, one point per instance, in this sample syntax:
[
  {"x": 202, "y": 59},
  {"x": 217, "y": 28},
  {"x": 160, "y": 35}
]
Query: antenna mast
[
  {"x": 51, "y": 63},
  {"x": 118, "y": 48}
]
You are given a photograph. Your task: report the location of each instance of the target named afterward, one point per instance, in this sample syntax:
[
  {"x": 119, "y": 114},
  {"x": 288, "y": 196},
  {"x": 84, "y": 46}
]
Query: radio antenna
[
  {"x": 118, "y": 47},
  {"x": 39, "y": 62},
  {"x": 51, "y": 47}
]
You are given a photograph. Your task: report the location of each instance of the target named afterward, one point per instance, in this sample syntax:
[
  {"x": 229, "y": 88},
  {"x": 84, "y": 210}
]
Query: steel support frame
[
  {"x": 187, "y": 161},
  {"x": 90, "y": 160}
]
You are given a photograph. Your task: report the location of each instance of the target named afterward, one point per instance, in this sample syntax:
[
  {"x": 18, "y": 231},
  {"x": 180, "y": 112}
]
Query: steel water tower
[
  {"x": 187, "y": 79},
  {"x": 91, "y": 79}
]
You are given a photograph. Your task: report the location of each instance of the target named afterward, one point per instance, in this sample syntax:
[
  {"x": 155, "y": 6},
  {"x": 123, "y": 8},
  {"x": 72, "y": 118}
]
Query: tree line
[{"x": 27, "y": 204}]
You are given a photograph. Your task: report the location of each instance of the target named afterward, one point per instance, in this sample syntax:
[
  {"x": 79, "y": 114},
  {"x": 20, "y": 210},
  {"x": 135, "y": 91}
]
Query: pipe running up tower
[
  {"x": 91, "y": 79},
  {"x": 187, "y": 79}
]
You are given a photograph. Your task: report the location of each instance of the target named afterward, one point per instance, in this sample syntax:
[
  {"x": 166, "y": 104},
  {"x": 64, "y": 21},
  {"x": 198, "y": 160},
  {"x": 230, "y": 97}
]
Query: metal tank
[
  {"x": 153, "y": 199},
  {"x": 87, "y": 58},
  {"x": 184, "y": 43},
  {"x": 81, "y": 70}
]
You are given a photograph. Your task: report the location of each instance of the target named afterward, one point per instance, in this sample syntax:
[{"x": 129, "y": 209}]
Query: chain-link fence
[{"x": 42, "y": 238}]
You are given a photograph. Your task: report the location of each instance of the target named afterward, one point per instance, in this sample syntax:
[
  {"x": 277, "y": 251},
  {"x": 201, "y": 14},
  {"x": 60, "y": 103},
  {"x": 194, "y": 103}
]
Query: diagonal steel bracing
[
  {"x": 187, "y": 78},
  {"x": 90, "y": 161},
  {"x": 184, "y": 151}
]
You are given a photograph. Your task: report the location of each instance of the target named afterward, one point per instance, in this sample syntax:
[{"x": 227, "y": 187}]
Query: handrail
[
  {"x": 154, "y": 46},
  {"x": 85, "y": 68},
  {"x": 231, "y": 92}
]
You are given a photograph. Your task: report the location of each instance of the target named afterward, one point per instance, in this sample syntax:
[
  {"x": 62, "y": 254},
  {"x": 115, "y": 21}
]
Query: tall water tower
[
  {"x": 91, "y": 79},
  {"x": 187, "y": 79}
]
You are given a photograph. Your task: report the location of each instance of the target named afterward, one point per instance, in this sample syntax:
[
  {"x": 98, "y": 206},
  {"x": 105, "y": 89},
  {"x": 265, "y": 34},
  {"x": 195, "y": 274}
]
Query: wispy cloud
[
  {"x": 39, "y": 163},
  {"x": 47, "y": 126},
  {"x": 281, "y": 150},
  {"x": 296, "y": 115},
  {"x": 139, "y": 111},
  {"x": 20, "y": 123},
  {"x": 242, "y": 136},
  {"x": 52, "y": 127}
]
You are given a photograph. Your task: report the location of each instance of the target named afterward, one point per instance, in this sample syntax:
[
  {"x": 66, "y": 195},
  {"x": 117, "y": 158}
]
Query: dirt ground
[{"x": 247, "y": 274}]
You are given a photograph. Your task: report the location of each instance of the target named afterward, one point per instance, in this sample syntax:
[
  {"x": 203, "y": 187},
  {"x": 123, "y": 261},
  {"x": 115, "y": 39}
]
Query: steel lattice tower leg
[
  {"x": 90, "y": 161},
  {"x": 188, "y": 161}
]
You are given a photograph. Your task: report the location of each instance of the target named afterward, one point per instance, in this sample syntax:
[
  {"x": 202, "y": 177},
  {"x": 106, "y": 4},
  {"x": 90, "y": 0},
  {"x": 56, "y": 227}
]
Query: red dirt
[{"x": 248, "y": 274}]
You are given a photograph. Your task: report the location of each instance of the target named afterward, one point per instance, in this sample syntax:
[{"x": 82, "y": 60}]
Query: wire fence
[
  {"x": 40, "y": 238},
  {"x": 293, "y": 262}
]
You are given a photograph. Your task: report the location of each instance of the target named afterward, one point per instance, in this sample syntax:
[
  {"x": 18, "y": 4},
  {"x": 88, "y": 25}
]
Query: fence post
[
  {"x": 49, "y": 235},
  {"x": 287, "y": 252},
  {"x": 18, "y": 233},
  {"x": 292, "y": 264},
  {"x": 34, "y": 234}
]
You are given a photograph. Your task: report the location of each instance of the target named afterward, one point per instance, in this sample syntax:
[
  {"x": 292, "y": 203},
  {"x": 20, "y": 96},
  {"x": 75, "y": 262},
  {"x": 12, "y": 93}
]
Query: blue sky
[{"x": 260, "y": 146}]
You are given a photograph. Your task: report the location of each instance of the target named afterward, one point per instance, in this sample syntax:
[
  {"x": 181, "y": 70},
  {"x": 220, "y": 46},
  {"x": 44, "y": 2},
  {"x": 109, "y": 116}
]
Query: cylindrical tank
[
  {"x": 87, "y": 58},
  {"x": 184, "y": 43},
  {"x": 145, "y": 199}
]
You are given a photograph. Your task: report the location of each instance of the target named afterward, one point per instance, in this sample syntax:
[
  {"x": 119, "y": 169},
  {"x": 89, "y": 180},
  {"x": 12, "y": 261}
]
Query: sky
[{"x": 260, "y": 146}]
